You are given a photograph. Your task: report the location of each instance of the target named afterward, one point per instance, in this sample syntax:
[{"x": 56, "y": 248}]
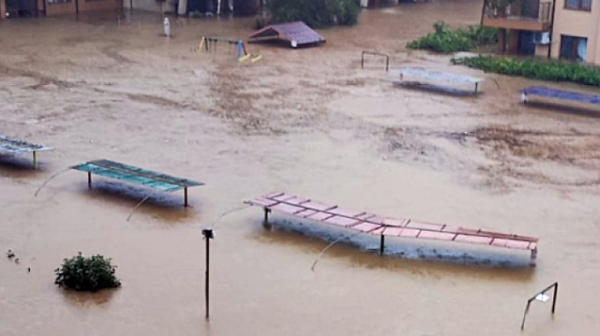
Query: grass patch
[
  {"x": 555, "y": 71},
  {"x": 87, "y": 274},
  {"x": 446, "y": 40}
]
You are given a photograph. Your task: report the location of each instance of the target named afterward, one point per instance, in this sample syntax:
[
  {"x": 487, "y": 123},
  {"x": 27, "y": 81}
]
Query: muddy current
[{"x": 308, "y": 121}]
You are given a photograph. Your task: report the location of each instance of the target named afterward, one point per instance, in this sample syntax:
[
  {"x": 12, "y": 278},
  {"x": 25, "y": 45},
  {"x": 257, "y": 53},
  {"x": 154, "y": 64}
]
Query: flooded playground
[{"x": 308, "y": 121}]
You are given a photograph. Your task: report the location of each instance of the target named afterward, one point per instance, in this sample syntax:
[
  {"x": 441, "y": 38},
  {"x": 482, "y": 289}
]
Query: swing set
[{"x": 210, "y": 43}]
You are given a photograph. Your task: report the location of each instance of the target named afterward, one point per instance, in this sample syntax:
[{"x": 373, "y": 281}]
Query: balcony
[{"x": 527, "y": 15}]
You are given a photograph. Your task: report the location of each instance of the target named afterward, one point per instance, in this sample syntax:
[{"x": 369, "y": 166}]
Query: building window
[
  {"x": 573, "y": 48},
  {"x": 57, "y": 1},
  {"x": 585, "y": 5}
]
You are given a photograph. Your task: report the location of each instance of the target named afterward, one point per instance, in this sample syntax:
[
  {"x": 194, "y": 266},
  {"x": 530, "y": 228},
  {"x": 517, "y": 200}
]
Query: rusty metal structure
[
  {"x": 383, "y": 226},
  {"x": 298, "y": 34}
]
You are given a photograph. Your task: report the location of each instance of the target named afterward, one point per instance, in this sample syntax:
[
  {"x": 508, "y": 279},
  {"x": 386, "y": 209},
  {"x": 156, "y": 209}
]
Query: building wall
[
  {"x": 2, "y": 9},
  {"x": 151, "y": 5},
  {"x": 578, "y": 23}
]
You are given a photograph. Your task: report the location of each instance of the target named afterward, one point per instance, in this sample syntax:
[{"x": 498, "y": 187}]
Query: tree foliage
[
  {"x": 315, "y": 13},
  {"x": 446, "y": 40},
  {"x": 87, "y": 274}
]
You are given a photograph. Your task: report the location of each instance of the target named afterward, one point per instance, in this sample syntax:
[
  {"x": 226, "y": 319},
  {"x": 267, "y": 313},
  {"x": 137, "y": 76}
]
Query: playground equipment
[{"x": 210, "y": 43}]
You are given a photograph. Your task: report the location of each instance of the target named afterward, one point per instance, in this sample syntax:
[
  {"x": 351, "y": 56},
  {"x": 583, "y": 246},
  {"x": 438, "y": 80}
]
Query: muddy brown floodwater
[{"x": 307, "y": 121}]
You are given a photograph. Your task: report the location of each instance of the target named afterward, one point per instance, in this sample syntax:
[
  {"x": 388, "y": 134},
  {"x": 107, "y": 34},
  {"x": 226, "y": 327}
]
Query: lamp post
[{"x": 208, "y": 235}]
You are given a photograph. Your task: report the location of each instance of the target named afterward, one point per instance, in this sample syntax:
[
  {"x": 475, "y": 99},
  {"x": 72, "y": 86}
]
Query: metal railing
[{"x": 543, "y": 15}]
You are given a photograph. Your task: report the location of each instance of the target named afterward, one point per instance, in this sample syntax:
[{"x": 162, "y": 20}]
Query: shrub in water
[
  {"x": 557, "y": 71},
  {"x": 87, "y": 274},
  {"x": 446, "y": 40},
  {"x": 315, "y": 13}
]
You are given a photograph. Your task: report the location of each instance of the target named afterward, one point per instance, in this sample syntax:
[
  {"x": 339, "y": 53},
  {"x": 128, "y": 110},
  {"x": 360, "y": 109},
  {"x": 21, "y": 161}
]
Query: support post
[
  {"x": 266, "y": 219},
  {"x": 533, "y": 257},
  {"x": 89, "y": 180},
  {"x": 208, "y": 235},
  {"x": 554, "y": 297},
  {"x": 185, "y": 197},
  {"x": 476, "y": 87},
  {"x": 555, "y": 285},
  {"x": 34, "y": 160},
  {"x": 382, "y": 245}
]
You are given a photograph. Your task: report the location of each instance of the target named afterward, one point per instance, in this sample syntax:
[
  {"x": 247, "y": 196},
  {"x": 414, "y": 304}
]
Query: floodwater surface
[{"x": 307, "y": 121}]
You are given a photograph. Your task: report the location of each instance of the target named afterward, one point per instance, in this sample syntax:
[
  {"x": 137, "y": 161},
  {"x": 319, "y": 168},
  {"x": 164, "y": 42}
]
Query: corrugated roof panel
[{"x": 136, "y": 175}]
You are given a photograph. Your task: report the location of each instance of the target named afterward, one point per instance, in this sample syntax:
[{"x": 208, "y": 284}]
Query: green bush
[
  {"x": 445, "y": 40},
  {"x": 315, "y": 13},
  {"x": 87, "y": 274},
  {"x": 557, "y": 71}
]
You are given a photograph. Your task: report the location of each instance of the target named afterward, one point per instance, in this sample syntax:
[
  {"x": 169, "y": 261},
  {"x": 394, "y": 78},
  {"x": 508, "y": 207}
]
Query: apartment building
[{"x": 565, "y": 29}]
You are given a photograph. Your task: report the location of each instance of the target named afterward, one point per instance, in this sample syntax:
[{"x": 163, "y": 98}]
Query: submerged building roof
[
  {"x": 14, "y": 146},
  {"x": 136, "y": 175},
  {"x": 297, "y": 33}
]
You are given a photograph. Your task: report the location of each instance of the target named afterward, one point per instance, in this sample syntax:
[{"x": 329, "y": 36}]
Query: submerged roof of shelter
[
  {"x": 562, "y": 94},
  {"x": 136, "y": 175},
  {"x": 15, "y": 146},
  {"x": 399, "y": 227},
  {"x": 439, "y": 76},
  {"x": 297, "y": 33}
]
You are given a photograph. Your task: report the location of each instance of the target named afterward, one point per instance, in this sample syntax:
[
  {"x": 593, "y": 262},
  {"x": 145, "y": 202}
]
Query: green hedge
[
  {"x": 315, "y": 13},
  {"x": 557, "y": 71},
  {"x": 87, "y": 274},
  {"x": 446, "y": 40}
]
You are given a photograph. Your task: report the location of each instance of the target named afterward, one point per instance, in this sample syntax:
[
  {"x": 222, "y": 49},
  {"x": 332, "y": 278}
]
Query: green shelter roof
[{"x": 136, "y": 175}]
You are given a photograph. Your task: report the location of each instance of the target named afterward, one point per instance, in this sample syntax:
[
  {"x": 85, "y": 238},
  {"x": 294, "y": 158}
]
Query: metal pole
[
  {"x": 89, "y": 180},
  {"x": 206, "y": 282},
  {"x": 381, "y": 246},
  {"x": 185, "y": 197},
  {"x": 208, "y": 235},
  {"x": 525, "y": 314},
  {"x": 34, "y": 160},
  {"x": 554, "y": 297},
  {"x": 362, "y": 60}
]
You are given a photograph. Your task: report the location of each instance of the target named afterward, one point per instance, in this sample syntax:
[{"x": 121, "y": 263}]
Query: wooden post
[
  {"x": 34, "y": 160},
  {"x": 89, "y": 180},
  {"x": 185, "y": 197},
  {"x": 381, "y": 246}
]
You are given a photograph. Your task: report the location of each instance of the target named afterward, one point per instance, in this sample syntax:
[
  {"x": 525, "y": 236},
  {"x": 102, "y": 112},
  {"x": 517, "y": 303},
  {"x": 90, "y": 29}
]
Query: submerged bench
[
  {"x": 422, "y": 76},
  {"x": 546, "y": 92},
  {"x": 137, "y": 176},
  {"x": 15, "y": 147},
  {"x": 383, "y": 226}
]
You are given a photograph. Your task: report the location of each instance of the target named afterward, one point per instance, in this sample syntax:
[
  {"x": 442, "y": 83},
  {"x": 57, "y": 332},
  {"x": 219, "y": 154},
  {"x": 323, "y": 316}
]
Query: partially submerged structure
[
  {"x": 545, "y": 92},
  {"x": 9, "y": 146},
  {"x": 383, "y": 226},
  {"x": 297, "y": 34},
  {"x": 137, "y": 176},
  {"x": 436, "y": 79}
]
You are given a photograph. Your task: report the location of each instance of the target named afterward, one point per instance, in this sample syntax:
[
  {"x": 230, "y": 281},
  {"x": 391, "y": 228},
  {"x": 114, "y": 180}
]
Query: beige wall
[
  {"x": 87, "y": 5},
  {"x": 578, "y": 23}
]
